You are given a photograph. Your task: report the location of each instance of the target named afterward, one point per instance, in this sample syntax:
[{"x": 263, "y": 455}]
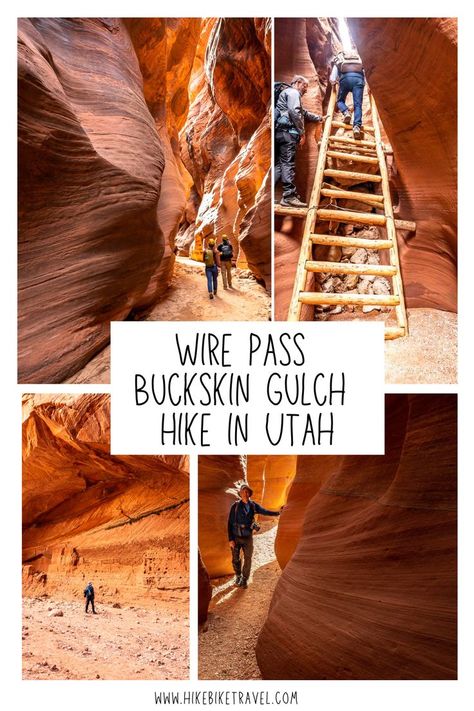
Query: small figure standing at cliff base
[
  {"x": 241, "y": 526},
  {"x": 226, "y": 253},
  {"x": 210, "y": 257},
  {"x": 348, "y": 69},
  {"x": 89, "y": 594},
  {"x": 290, "y": 117}
]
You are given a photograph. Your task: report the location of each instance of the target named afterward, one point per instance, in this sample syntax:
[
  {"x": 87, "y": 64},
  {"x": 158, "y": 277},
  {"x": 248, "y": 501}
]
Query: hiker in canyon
[
  {"x": 89, "y": 594},
  {"x": 348, "y": 70},
  {"x": 226, "y": 253},
  {"x": 211, "y": 259},
  {"x": 241, "y": 526},
  {"x": 290, "y": 117}
]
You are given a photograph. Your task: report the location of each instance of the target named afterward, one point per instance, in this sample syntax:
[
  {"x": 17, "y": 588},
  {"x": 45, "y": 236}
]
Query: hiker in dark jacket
[
  {"x": 226, "y": 253},
  {"x": 240, "y": 527},
  {"x": 89, "y": 595},
  {"x": 290, "y": 117}
]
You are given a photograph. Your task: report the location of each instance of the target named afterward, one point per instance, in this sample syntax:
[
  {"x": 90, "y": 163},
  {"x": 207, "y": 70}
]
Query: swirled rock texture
[
  {"x": 120, "y": 521},
  {"x": 399, "y": 56},
  {"x": 369, "y": 591},
  {"x": 204, "y": 590},
  {"x": 110, "y": 176}
]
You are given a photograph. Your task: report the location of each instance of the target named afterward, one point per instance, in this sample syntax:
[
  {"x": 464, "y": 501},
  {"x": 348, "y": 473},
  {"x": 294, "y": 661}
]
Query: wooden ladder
[{"x": 380, "y": 213}]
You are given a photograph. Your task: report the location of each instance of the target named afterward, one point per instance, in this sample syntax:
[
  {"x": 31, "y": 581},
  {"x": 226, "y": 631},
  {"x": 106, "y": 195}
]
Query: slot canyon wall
[
  {"x": 121, "y": 521},
  {"x": 368, "y": 550},
  {"x": 133, "y": 135},
  {"x": 399, "y": 56}
]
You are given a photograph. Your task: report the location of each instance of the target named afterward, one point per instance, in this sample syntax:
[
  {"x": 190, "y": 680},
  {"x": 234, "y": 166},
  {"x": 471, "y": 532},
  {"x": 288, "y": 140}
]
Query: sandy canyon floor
[
  {"x": 117, "y": 643},
  {"x": 227, "y": 640},
  {"x": 187, "y": 300}
]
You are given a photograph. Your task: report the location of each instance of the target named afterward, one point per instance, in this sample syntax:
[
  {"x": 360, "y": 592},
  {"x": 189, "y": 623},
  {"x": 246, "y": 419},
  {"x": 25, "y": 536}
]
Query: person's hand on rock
[{"x": 232, "y": 544}]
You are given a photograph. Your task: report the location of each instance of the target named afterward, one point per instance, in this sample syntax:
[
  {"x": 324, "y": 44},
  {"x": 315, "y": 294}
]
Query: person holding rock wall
[{"x": 241, "y": 526}]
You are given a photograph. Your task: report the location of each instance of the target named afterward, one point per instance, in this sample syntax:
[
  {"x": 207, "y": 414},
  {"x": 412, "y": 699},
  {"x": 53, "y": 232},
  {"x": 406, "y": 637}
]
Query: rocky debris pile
[{"x": 352, "y": 283}]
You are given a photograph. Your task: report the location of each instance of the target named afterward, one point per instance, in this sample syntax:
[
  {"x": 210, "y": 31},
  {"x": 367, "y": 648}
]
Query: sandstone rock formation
[
  {"x": 121, "y": 521},
  {"x": 107, "y": 112},
  {"x": 398, "y": 54},
  {"x": 369, "y": 585},
  {"x": 204, "y": 590}
]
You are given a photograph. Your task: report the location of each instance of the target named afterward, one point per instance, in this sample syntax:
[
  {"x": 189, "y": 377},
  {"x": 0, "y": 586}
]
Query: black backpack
[{"x": 278, "y": 87}]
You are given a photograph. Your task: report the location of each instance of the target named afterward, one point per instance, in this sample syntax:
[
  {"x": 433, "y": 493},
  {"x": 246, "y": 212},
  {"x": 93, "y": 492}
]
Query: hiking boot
[
  {"x": 238, "y": 580},
  {"x": 292, "y": 201},
  {"x": 211, "y": 296},
  {"x": 243, "y": 582},
  {"x": 357, "y": 132},
  {"x": 346, "y": 116},
  {"x": 215, "y": 292}
]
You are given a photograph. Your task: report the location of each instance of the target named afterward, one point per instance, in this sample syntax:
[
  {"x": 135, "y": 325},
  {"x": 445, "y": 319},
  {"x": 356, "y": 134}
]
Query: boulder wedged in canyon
[
  {"x": 121, "y": 521},
  {"x": 399, "y": 55},
  {"x": 370, "y": 589},
  {"x": 106, "y": 195},
  {"x": 217, "y": 476}
]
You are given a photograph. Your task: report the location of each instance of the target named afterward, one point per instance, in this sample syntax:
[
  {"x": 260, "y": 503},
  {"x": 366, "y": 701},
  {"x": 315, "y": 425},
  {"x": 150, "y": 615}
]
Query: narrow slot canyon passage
[
  {"x": 398, "y": 55},
  {"x": 228, "y": 638},
  {"x": 121, "y": 523},
  {"x": 140, "y": 140},
  {"x": 358, "y": 578}
]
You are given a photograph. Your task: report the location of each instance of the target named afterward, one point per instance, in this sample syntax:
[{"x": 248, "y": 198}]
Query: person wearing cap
[
  {"x": 226, "y": 253},
  {"x": 210, "y": 257},
  {"x": 240, "y": 528},
  {"x": 89, "y": 594}
]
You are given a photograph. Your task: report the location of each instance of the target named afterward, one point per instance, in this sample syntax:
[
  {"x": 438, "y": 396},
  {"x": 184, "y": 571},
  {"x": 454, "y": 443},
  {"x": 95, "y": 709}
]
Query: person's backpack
[
  {"x": 278, "y": 87},
  {"x": 348, "y": 62},
  {"x": 209, "y": 260}
]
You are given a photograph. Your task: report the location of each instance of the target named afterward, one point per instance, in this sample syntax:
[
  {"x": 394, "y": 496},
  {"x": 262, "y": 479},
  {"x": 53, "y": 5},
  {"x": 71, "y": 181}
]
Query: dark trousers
[
  {"x": 90, "y": 600},
  {"x": 242, "y": 546},
  {"x": 351, "y": 82},
  {"x": 286, "y": 144},
  {"x": 211, "y": 275}
]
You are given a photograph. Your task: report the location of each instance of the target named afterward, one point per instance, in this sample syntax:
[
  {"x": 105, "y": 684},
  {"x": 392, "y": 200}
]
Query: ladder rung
[
  {"x": 392, "y": 332},
  {"x": 352, "y": 141},
  {"x": 315, "y": 298},
  {"x": 375, "y": 200},
  {"x": 353, "y": 156},
  {"x": 349, "y": 175},
  {"x": 295, "y": 211},
  {"x": 348, "y": 268},
  {"x": 405, "y": 225},
  {"x": 340, "y": 241},
  {"x": 364, "y": 218},
  {"x": 360, "y": 151},
  {"x": 348, "y": 127}
]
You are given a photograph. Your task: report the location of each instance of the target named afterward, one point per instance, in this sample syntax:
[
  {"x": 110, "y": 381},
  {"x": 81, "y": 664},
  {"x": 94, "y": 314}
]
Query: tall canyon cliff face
[
  {"x": 120, "y": 521},
  {"x": 130, "y": 132},
  {"x": 368, "y": 550},
  {"x": 411, "y": 68}
]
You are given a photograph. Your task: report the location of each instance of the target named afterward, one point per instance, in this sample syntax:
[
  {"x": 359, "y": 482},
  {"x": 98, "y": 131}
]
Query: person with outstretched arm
[{"x": 240, "y": 526}]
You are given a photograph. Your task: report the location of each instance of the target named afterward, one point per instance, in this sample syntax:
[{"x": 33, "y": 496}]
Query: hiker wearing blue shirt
[{"x": 240, "y": 527}]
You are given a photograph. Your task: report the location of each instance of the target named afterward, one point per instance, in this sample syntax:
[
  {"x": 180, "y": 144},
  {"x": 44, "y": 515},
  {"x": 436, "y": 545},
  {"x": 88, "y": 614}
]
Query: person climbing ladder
[
  {"x": 348, "y": 69},
  {"x": 210, "y": 257}
]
